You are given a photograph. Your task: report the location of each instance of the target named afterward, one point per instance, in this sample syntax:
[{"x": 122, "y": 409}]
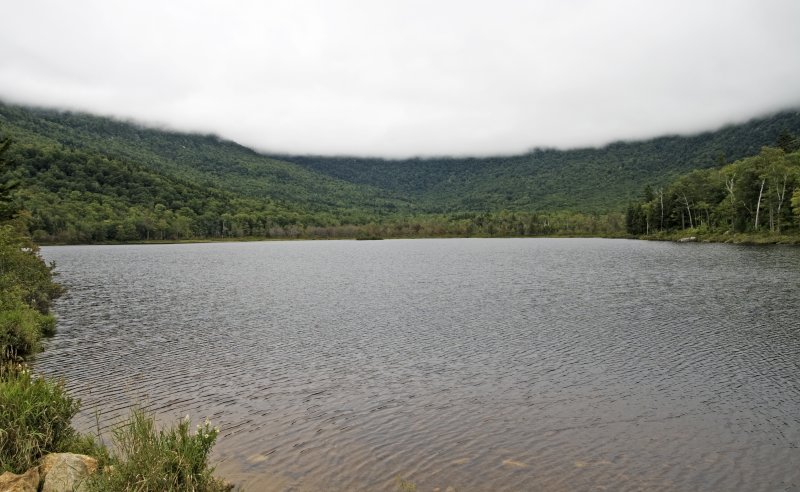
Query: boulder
[
  {"x": 690, "y": 239},
  {"x": 62, "y": 472},
  {"x": 27, "y": 482}
]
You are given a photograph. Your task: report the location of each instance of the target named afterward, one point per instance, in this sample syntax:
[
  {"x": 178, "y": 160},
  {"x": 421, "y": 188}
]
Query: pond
[{"x": 481, "y": 364}]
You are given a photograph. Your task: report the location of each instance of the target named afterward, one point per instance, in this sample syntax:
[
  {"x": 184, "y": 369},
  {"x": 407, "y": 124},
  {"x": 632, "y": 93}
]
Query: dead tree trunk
[
  {"x": 689, "y": 211},
  {"x": 758, "y": 205},
  {"x": 781, "y": 192}
]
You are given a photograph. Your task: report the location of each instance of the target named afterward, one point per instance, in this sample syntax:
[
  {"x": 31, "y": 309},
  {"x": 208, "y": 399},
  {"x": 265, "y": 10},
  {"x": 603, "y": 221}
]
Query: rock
[
  {"x": 690, "y": 239},
  {"x": 27, "y": 482},
  {"x": 63, "y": 472}
]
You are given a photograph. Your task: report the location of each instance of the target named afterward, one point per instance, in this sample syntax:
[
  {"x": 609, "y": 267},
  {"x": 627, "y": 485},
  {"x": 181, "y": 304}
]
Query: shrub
[
  {"x": 26, "y": 291},
  {"x": 35, "y": 416},
  {"x": 171, "y": 459},
  {"x": 21, "y": 266},
  {"x": 21, "y": 329}
]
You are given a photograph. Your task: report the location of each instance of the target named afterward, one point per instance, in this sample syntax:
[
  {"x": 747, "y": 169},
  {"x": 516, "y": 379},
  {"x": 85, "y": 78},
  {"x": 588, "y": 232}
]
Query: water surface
[{"x": 482, "y": 364}]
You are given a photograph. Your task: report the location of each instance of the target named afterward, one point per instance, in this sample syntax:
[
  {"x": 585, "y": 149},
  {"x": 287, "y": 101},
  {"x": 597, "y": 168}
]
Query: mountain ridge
[{"x": 537, "y": 180}]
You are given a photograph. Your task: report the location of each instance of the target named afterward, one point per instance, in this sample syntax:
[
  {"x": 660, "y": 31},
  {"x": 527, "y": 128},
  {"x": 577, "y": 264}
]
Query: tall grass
[
  {"x": 35, "y": 416},
  {"x": 170, "y": 459}
]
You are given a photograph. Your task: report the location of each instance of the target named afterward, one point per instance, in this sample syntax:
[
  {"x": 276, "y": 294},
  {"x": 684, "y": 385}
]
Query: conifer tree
[{"x": 7, "y": 183}]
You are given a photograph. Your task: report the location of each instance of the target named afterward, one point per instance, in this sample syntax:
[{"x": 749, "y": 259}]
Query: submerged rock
[
  {"x": 66, "y": 471},
  {"x": 27, "y": 482}
]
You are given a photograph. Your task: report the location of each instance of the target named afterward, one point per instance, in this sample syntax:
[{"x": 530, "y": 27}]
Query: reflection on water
[{"x": 496, "y": 364}]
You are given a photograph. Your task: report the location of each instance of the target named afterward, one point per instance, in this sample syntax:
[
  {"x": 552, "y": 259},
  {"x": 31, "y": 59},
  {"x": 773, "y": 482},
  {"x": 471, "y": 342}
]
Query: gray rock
[{"x": 66, "y": 472}]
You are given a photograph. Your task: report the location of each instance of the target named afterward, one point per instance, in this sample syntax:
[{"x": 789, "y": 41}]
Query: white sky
[{"x": 402, "y": 78}]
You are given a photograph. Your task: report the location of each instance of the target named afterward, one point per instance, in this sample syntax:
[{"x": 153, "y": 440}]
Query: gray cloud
[{"x": 401, "y": 78}]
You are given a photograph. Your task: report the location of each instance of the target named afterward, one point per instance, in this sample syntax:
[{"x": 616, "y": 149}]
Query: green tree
[
  {"x": 787, "y": 142},
  {"x": 7, "y": 182}
]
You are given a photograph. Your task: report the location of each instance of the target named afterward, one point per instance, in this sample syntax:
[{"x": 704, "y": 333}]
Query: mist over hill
[{"x": 587, "y": 180}]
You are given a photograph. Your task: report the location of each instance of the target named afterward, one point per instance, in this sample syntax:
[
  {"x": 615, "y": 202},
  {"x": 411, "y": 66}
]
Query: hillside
[
  {"x": 87, "y": 179},
  {"x": 204, "y": 159},
  {"x": 585, "y": 180}
]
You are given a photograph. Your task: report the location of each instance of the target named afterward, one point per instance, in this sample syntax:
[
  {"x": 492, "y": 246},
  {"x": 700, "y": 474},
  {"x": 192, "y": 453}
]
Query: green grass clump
[
  {"x": 149, "y": 459},
  {"x": 35, "y": 416},
  {"x": 21, "y": 328}
]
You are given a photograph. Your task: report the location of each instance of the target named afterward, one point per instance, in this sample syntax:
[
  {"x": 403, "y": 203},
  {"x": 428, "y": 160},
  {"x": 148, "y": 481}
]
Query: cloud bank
[{"x": 403, "y": 78}]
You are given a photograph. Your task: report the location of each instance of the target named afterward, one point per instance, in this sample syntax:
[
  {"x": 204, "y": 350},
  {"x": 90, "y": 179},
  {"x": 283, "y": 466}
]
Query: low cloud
[{"x": 403, "y": 78}]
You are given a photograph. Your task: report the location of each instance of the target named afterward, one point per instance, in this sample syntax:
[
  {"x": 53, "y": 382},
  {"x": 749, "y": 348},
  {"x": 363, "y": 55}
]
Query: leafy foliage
[
  {"x": 758, "y": 194},
  {"x": 7, "y": 185},
  {"x": 26, "y": 292}
]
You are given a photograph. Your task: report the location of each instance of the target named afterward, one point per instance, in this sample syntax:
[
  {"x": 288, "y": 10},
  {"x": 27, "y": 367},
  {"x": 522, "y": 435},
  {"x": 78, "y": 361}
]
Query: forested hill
[
  {"x": 586, "y": 180},
  {"x": 85, "y": 178},
  {"x": 204, "y": 161}
]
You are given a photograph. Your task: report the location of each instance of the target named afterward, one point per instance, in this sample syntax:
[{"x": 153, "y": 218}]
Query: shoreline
[
  {"x": 352, "y": 238},
  {"x": 741, "y": 238},
  {"x": 684, "y": 236}
]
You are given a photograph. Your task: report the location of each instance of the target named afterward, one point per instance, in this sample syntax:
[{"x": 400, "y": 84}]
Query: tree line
[
  {"x": 758, "y": 194},
  {"x": 74, "y": 194}
]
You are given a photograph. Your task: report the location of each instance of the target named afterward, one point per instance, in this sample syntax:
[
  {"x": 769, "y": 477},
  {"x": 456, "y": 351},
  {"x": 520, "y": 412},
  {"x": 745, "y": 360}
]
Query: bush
[
  {"x": 35, "y": 416},
  {"x": 148, "y": 459},
  {"x": 21, "y": 328},
  {"x": 22, "y": 267},
  {"x": 26, "y": 292}
]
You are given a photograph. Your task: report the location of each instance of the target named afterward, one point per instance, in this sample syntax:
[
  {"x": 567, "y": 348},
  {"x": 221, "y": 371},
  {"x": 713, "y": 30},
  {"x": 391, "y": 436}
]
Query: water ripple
[{"x": 480, "y": 364}]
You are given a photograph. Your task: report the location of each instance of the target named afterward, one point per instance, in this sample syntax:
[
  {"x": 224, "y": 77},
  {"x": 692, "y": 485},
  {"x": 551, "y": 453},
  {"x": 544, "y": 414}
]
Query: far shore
[
  {"x": 745, "y": 238},
  {"x": 678, "y": 236}
]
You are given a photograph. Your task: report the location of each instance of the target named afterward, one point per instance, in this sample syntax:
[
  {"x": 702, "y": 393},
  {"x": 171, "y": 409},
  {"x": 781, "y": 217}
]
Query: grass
[
  {"x": 150, "y": 459},
  {"x": 35, "y": 415},
  {"x": 21, "y": 328}
]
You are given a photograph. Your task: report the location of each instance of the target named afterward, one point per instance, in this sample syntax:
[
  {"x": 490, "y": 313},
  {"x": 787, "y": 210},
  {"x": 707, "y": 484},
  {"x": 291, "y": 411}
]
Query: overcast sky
[{"x": 401, "y": 78}]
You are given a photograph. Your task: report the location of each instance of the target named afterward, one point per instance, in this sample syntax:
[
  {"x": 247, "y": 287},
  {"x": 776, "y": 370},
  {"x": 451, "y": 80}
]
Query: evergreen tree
[
  {"x": 787, "y": 142},
  {"x": 7, "y": 183}
]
